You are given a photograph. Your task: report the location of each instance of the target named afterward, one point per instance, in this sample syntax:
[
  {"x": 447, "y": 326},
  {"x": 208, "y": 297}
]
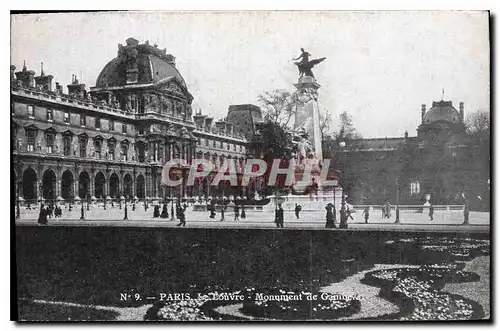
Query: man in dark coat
[
  {"x": 243, "y": 214},
  {"x": 281, "y": 215},
  {"x": 366, "y": 212},
  {"x": 466, "y": 214},
  {"x": 181, "y": 216},
  {"x": 222, "y": 211},
  {"x": 236, "y": 213},
  {"x": 298, "y": 208},
  {"x": 431, "y": 212},
  {"x": 164, "y": 211},
  {"x": 156, "y": 211}
]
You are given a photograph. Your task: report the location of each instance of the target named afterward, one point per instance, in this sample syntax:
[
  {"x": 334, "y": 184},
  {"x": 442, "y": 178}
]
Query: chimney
[
  {"x": 461, "y": 106},
  {"x": 221, "y": 126},
  {"x": 199, "y": 119},
  {"x": 406, "y": 135},
  {"x": 423, "y": 112},
  {"x": 27, "y": 77},
  {"x": 59, "y": 88},
  {"x": 12, "y": 75},
  {"x": 229, "y": 128},
  {"x": 208, "y": 123},
  {"x": 44, "y": 81},
  {"x": 76, "y": 89}
]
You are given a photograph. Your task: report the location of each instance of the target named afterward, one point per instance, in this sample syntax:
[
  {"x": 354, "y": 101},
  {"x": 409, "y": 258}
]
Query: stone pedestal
[{"x": 307, "y": 115}]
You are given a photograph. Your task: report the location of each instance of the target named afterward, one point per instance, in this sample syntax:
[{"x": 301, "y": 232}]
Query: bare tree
[
  {"x": 278, "y": 106},
  {"x": 478, "y": 123},
  {"x": 325, "y": 122}
]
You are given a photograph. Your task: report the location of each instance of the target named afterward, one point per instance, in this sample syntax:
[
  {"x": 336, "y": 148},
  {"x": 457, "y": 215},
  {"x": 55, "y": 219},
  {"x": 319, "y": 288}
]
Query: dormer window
[
  {"x": 31, "y": 111},
  {"x": 50, "y": 114}
]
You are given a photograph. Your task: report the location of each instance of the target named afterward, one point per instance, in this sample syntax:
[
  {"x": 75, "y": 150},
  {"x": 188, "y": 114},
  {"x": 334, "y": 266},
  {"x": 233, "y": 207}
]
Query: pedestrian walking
[
  {"x": 298, "y": 208},
  {"x": 42, "y": 216},
  {"x": 279, "y": 216},
  {"x": 466, "y": 214},
  {"x": 222, "y": 212},
  {"x": 181, "y": 216},
  {"x": 164, "y": 211},
  {"x": 349, "y": 213},
  {"x": 236, "y": 213},
  {"x": 431, "y": 212},
  {"x": 366, "y": 212},
  {"x": 243, "y": 214}
]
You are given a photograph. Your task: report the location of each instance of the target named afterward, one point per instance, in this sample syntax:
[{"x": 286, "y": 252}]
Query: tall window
[
  {"x": 66, "y": 117},
  {"x": 214, "y": 144},
  {"x": 124, "y": 127},
  {"x": 228, "y": 146},
  {"x": 97, "y": 147},
  {"x": 141, "y": 130},
  {"x": 221, "y": 145},
  {"x": 31, "y": 111},
  {"x": 97, "y": 123},
  {"x": 111, "y": 150},
  {"x": 83, "y": 120},
  {"x": 111, "y": 125},
  {"x": 49, "y": 139},
  {"x": 83, "y": 146},
  {"x": 31, "y": 140},
  {"x": 124, "y": 152},
  {"x": 50, "y": 115},
  {"x": 141, "y": 152},
  {"x": 415, "y": 188},
  {"x": 67, "y": 145}
]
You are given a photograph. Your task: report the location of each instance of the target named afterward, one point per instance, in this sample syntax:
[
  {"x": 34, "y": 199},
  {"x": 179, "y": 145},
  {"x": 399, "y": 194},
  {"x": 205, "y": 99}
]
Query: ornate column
[{"x": 120, "y": 183}]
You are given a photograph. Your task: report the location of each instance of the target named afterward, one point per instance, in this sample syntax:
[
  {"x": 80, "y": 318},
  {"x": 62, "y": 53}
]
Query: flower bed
[
  {"x": 290, "y": 305},
  {"x": 417, "y": 292}
]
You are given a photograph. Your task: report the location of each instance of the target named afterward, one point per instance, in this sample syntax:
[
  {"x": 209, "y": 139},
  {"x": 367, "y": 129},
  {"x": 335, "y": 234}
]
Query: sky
[{"x": 380, "y": 67}]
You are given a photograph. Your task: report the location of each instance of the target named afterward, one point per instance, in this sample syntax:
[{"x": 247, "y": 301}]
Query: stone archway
[
  {"x": 114, "y": 186},
  {"x": 100, "y": 185},
  {"x": 83, "y": 185},
  {"x": 67, "y": 185},
  {"x": 49, "y": 185},
  {"x": 29, "y": 184},
  {"x": 127, "y": 186},
  {"x": 140, "y": 187}
]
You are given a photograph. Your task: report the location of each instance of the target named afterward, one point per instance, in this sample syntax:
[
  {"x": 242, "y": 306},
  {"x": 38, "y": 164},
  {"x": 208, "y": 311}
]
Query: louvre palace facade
[{"x": 111, "y": 141}]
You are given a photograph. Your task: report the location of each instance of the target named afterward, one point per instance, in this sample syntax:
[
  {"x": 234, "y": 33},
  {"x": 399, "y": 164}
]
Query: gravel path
[
  {"x": 476, "y": 291},
  {"x": 125, "y": 314},
  {"x": 371, "y": 304}
]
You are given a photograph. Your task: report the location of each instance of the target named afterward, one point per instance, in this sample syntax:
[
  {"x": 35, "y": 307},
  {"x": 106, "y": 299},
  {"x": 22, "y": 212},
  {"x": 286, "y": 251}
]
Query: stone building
[
  {"x": 244, "y": 119},
  {"x": 112, "y": 140},
  {"x": 440, "y": 161}
]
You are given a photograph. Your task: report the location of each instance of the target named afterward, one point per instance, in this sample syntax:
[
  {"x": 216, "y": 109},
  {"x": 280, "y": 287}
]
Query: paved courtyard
[{"x": 443, "y": 220}]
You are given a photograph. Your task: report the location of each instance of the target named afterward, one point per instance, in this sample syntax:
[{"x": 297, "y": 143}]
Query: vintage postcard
[{"x": 251, "y": 166}]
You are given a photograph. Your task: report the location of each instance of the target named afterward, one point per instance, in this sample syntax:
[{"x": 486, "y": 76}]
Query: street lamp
[
  {"x": 397, "y": 201},
  {"x": 126, "y": 216},
  {"x": 82, "y": 216},
  {"x": 18, "y": 210}
]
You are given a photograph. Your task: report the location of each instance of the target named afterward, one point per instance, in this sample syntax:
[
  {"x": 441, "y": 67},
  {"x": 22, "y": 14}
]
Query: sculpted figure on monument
[{"x": 304, "y": 65}]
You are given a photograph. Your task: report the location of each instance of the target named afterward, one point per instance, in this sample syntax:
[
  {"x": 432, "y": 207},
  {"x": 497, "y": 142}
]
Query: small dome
[
  {"x": 150, "y": 63},
  {"x": 442, "y": 111}
]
